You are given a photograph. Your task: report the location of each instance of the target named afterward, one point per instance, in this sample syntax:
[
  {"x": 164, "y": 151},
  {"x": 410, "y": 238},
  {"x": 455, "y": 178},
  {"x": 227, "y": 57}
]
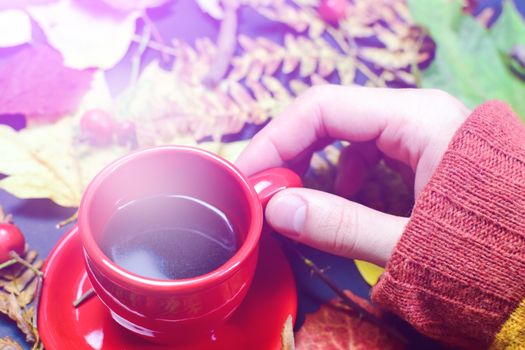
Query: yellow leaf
[
  {"x": 370, "y": 272},
  {"x": 326, "y": 66},
  {"x": 256, "y": 71},
  {"x": 276, "y": 88},
  {"x": 9, "y": 306},
  {"x": 229, "y": 151},
  {"x": 8, "y": 343},
  {"x": 289, "y": 64},
  {"x": 388, "y": 59},
  {"x": 246, "y": 43},
  {"x": 41, "y": 162},
  {"x": 259, "y": 91},
  {"x": 346, "y": 70},
  {"x": 317, "y": 27},
  {"x": 298, "y": 86},
  {"x": 46, "y": 161},
  {"x": 240, "y": 95},
  {"x": 318, "y": 80},
  {"x": 38, "y": 164}
]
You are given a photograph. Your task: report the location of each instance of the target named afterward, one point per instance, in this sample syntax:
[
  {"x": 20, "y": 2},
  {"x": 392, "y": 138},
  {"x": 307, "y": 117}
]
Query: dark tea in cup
[{"x": 169, "y": 237}]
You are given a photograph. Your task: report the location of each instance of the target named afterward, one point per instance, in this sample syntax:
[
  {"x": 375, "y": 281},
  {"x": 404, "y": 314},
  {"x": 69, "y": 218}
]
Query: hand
[{"x": 410, "y": 126}]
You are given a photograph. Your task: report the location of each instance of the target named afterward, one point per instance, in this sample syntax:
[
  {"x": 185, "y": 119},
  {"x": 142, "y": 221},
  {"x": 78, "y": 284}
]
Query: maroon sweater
[{"x": 458, "y": 272}]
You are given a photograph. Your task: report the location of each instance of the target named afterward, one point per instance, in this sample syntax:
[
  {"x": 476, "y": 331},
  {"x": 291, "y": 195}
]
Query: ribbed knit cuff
[{"x": 458, "y": 271}]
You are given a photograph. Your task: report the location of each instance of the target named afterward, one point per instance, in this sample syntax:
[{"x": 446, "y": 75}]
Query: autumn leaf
[
  {"x": 8, "y": 343},
  {"x": 42, "y": 162},
  {"x": 18, "y": 287},
  {"x": 9, "y": 306},
  {"x": 468, "y": 62},
  {"x": 509, "y": 29},
  {"x": 49, "y": 161},
  {"x": 334, "y": 326},
  {"x": 46, "y": 161},
  {"x": 88, "y": 33},
  {"x": 370, "y": 272},
  {"x": 175, "y": 107},
  {"x": 35, "y": 83}
]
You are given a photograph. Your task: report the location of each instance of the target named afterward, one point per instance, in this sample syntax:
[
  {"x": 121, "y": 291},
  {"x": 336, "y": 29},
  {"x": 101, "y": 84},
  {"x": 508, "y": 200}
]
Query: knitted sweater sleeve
[{"x": 458, "y": 272}]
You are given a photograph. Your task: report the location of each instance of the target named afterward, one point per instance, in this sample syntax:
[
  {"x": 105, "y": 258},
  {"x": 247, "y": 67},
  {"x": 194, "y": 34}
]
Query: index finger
[{"x": 339, "y": 112}]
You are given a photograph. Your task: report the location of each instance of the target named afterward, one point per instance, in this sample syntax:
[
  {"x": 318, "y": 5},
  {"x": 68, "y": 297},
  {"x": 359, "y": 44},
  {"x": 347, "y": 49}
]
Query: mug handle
[{"x": 269, "y": 182}]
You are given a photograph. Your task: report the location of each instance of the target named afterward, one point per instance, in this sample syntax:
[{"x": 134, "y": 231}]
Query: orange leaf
[{"x": 335, "y": 327}]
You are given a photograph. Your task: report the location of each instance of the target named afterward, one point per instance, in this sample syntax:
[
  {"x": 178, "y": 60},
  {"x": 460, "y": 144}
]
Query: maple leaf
[
  {"x": 35, "y": 83},
  {"x": 87, "y": 33},
  {"x": 335, "y": 327},
  {"x": 8, "y": 343}
]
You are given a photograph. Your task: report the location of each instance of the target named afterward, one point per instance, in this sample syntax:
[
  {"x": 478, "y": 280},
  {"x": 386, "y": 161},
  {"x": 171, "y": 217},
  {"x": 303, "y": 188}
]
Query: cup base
[
  {"x": 255, "y": 325},
  {"x": 176, "y": 333}
]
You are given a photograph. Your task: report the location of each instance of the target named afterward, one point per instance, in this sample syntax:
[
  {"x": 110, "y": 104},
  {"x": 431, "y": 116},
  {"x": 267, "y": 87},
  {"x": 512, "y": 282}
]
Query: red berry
[
  {"x": 97, "y": 126},
  {"x": 332, "y": 11},
  {"x": 11, "y": 239},
  {"x": 126, "y": 134}
]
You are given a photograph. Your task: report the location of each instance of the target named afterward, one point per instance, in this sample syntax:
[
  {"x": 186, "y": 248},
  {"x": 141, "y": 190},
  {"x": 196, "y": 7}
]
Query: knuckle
[
  {"x": 342, "y": 225},
  {"x": 443, "y": 98},
  {"x": 316, "y": 94}
]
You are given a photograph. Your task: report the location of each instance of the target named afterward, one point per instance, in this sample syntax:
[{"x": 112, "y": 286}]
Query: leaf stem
[
  {"x": 155, "y": 32},
  {"x": 84, "y": 297},
  {"x": 364, "y": 314},
  {"x": 39, "y": 287},
  {"x": 137, "y": 57},
  {"x": 67, "y": 221},
  {"x": 157, "y": 46},
  {"x": 226, "y": 43},
  {"x": 19, "y": 260},
  {"x": 8, "y": 263}
]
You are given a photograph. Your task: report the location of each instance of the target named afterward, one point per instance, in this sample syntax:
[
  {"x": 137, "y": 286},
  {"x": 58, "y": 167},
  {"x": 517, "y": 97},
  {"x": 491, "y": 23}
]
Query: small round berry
[
  {"x": 11, "y": 239},
  {"x": 332, "y": 11},
  {"x": 126, "y": 134},
  {"x": 97, "y": 126}
]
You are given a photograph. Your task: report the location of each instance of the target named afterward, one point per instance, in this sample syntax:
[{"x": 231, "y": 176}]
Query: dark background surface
[{"x": 37, "y": 217}]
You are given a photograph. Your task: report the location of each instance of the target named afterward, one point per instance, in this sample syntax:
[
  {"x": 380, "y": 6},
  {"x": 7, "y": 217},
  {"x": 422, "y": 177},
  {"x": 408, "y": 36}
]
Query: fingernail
[{"x": 287, "y": 214}]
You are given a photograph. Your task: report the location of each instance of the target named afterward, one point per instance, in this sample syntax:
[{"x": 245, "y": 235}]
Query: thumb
[{"x": 335, "y": 225}]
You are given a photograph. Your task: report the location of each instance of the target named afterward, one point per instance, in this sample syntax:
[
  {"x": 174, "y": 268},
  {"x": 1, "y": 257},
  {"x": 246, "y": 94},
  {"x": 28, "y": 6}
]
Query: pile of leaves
[
  {"x": 377, "y": 43},
  {"x": 18, "y": 287},
  {"x": 176, "y": 106},
  {"x": 337, "y": 326}
]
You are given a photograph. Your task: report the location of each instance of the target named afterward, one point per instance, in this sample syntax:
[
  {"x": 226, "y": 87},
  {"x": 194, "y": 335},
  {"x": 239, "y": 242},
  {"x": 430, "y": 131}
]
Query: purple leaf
[{"x": 35, "y": 83}]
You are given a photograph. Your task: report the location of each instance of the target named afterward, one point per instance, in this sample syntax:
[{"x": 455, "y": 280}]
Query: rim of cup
[{"x": 134, "y": 281}]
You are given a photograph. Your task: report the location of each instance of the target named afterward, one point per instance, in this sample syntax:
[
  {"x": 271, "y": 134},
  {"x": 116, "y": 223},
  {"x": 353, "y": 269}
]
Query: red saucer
[{"x": 255, "y": 325}]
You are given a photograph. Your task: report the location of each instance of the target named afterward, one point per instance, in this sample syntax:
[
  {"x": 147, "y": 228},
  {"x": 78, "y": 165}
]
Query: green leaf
[
  {"x": 468, "y": 62},
  {"x": 435, "y": 14},
  {"x": 509, "y": 29}
]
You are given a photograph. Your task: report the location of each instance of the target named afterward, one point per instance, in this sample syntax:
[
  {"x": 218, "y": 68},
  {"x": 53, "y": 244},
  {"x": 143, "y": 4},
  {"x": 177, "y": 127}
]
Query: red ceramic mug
[{"x": 174, "y": 310}]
